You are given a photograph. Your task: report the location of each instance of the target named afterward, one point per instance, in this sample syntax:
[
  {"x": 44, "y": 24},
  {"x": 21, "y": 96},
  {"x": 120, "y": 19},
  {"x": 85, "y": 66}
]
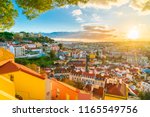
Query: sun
[{"x": 133, "y": 34}]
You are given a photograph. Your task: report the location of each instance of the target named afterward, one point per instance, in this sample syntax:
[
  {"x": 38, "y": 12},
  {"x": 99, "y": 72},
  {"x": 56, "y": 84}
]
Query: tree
[
  {"x": 79, "y": 85},
  {"x": 144, "y": 95},
  {"x": 97, "y": 54},
  {"x": 6, "y": 36},
  {"x": 52, "y": 54},
  {"x": 18, "y": 37},
  {"x": 33, "y": 67},
  {"x": 31, "y": 8},
  {"x": 60, "y": 45},
  {"x": 7, "y": 14}
]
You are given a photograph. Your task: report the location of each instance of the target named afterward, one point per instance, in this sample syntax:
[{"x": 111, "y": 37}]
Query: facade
[
  {"x": 31, "y": 46},
  {"x": 5, "y": 55},
  {"x": 145, "y": 86},
  {"x": 133, "y": 58},
  {"x": 29, "y": 85},
  {"x": 87, "y": 78},
  {"x": 37, "y": 51},
  {"x": 17, "y": 50},
  {"x": 62, "y": 91},
  {"x": 117, "y": 91},
  {"x": 7, "y": 89},
  {"x": 38, "y": 45},
  {"x": 61, "y": 73}
]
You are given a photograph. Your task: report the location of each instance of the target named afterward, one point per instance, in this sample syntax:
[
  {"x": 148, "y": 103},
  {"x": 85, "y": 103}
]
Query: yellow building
[
  {"x": 5, "y": 55},
  {"x": 7, "y": 89},
  {"x": 92, "y": 56},
  {"x": 29, "y": 85},
  {"x": 38, "y": 44},
  {"x": 116, "y": 92}
]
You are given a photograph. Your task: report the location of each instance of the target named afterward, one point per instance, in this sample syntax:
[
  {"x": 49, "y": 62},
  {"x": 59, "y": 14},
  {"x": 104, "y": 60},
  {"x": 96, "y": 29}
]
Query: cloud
[
  {"x": 98, "y": 32},
  {"x": 96, "y": 17},
  {"x": 79, "y": 19},
  {"x": 98, "y": 29},
  {"x": 141, "y": 5},
  {"x": 119, "y": 13},
  {"x": 77, "y": 12},
  {"x": 78, "y": 15},
  {"x": 86, "y": 17},
  {"x": 91, "y": 32},
  {"x": 104, "y": 3}
]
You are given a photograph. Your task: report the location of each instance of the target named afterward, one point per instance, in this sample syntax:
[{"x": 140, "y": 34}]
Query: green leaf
[{"x": 7, "y": 14}]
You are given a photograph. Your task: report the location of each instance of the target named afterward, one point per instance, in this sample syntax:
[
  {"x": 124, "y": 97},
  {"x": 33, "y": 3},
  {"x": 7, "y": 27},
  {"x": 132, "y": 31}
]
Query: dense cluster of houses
[
  {"x": 102, "y": 78},
  {"x": 20, "y": 82},
  {"x": 29, "y": 49},
  {"x": 126, "y": 75}
]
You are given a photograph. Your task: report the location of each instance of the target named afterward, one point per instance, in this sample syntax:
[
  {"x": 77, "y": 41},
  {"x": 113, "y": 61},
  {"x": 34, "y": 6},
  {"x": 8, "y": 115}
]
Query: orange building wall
[
  {"x": 27, "y": 86},
  {"x": 59, "y": 91},
  {"x": 5, "y": 55}
]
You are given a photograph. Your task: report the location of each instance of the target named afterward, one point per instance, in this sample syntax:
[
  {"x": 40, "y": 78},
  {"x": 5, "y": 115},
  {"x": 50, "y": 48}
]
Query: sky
[{"x": 102, "y": 19}]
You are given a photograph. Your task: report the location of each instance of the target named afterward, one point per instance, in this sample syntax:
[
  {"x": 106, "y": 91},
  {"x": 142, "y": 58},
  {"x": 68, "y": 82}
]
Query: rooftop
[
  {"x": 13, "y": 67},
  {"x": 116, "y": 89}
]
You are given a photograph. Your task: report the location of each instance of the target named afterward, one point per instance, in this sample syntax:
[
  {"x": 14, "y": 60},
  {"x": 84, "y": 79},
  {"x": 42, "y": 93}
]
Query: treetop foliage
[
  {"x": 30, "y": 8},
  {"x": 7, "y": 14}
]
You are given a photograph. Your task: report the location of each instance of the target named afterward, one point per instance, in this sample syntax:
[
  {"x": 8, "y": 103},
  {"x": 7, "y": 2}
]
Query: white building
[
  {"x": 31, "y": 46},
  {"x": 17, "y": 50},
  {"x": 87, "y": 78},
  {"x": 145, "y": 86},
  {"x": 38, "y": 51},
  {"x": 137, "y": 59}
]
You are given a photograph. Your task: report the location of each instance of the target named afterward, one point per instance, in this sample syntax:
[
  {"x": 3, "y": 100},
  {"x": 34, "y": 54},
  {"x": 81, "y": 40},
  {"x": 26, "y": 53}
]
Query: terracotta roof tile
[
  {"x": 86, "y": 74},
  {"x": 12, "y": 67},
  {"x": 98, "y": 92},
  {"x": 116, "y": 89}
]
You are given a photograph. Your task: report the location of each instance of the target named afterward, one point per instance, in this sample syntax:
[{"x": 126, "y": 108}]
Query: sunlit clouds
[
  {"x": 99, "y": 20},
  {"x": 104, "y": 3},
  {"x": 77, "y": 12},
  {"x": 141, "y": 5}
]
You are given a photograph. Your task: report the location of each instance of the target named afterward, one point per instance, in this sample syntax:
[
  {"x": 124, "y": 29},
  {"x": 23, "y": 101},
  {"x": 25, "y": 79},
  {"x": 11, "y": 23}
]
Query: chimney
[{"x": 38, "y": 69}]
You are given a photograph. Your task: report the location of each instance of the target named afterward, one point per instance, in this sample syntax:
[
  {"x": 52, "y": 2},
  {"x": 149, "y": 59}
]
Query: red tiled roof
[
  {"x": 88, "y": 87},
  {"x": 13, "y": 67},
  {"x": 98, "y": 92},
  {"x": 98, "y": 76},
  {"x": 19, "y": 45},
  {"x": 88, "y": 74},
  {"x": 116, "y": 89},
  {"x": 77, "y": 64},
  {"x": 77, "y": 73}
]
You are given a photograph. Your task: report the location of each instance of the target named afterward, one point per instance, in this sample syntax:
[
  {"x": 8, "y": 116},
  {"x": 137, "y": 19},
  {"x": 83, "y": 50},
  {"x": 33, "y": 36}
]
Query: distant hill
[
  {"x": 63, "y": 34},
  {"x": 84, "y": 35}
]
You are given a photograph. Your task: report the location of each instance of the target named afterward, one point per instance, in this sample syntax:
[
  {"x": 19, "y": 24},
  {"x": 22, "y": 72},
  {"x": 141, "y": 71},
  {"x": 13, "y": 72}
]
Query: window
[
  {"x": 18, "y": 97},
  {"x": 12, "y": 77},
  {"x": 57, "y": 93},
  {"x": 67, "y": 97}
]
